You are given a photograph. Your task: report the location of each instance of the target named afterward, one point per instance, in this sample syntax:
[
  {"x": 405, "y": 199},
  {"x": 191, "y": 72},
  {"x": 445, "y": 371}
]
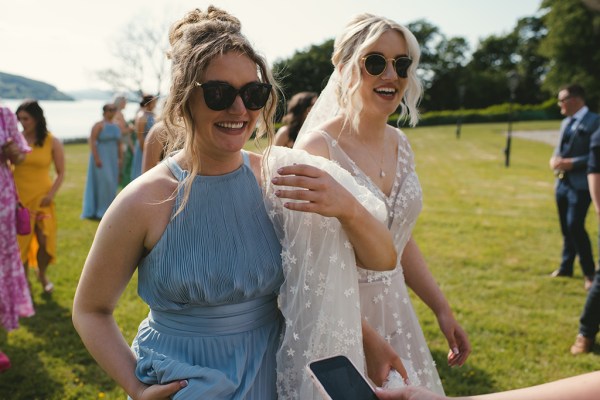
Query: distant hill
[
  {"x": 19, "y": 87},
  {"x": 91, "y": 94}
]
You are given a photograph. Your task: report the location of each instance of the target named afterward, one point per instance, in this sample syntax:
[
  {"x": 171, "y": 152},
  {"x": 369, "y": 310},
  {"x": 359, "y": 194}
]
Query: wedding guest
[
  {"x": 37, "y": 186},
  {"x": 127, "y": 129},
  {"x": 589, "y": 321},
  {"x": 15, "y": 299},
  {"x": 106, "y": 156},
  {"x": 154, "y": 146},
  {"x": 143, "y": 123},
  {"x": 208, "y": 257},
  {"x": 297, "y": 110},
  {"x": 569, "y": 162},
  {"x": 375, "y": 73}
]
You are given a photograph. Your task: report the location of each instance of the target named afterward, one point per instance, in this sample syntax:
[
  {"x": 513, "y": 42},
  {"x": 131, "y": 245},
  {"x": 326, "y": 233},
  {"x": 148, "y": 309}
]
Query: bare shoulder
[
  {"x": 314, "y": 142},
  {"x": 56, "y": 143},
  {"x": 147, "y": 203},
  {"x": 282, "y": 136},
  {"x": 255, "y": 164}
]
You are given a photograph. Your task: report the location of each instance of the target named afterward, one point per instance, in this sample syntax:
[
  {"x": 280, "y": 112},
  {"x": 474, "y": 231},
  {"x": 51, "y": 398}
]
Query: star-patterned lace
[
  {"x": 384, "y": 297},
  {"x": 319, "y": 298}
]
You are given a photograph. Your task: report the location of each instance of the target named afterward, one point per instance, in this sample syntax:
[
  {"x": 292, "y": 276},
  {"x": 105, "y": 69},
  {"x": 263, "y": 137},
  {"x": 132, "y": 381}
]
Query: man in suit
[
  {"x": 569, "y": 162},
  {"x": 589, "y": 322}
]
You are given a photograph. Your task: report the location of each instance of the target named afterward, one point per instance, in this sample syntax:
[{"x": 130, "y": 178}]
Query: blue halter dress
[{"x": 211, "y": 283}]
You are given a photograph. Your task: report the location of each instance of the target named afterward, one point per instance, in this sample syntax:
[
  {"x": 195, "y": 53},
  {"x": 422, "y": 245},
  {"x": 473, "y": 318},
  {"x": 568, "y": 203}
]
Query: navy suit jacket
[{"x": 578, "y": 148}]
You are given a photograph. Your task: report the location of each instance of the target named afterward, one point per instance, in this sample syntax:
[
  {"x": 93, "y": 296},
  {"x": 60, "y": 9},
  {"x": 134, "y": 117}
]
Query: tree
[
  {"x": 572, "y": 45},
  {"x": 140, "y": 49},
  {"x": 306, "y": 70},
  {"x": 441, "y": 65}
]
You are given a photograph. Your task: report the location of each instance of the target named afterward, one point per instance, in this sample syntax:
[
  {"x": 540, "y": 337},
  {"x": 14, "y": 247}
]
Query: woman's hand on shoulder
[{"x": 313, "y": 190}]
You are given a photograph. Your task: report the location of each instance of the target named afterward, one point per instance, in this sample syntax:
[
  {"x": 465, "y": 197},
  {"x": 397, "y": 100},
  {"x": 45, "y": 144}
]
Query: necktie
[{"x": 567, "y": 134}]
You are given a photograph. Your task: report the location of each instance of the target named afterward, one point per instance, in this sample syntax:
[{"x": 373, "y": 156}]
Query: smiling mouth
[
  {"x": 231, "y": 125},
  {"x": 386, "y": 91}
]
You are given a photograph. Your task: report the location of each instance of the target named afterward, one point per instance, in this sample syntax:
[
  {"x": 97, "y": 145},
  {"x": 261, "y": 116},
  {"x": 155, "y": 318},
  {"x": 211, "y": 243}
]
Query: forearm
[
  {"x": 421, "y": 281},
  {"x": 56, "y": 185},
  {"x": 594, "y": 184},
  {"x": 103, "y": 339},
  {"x": 372, "y": 241},
  {"x": 580, "y": 387}
]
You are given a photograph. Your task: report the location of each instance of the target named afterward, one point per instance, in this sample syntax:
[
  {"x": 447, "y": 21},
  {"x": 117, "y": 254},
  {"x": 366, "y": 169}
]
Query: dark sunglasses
[
  {"x": 375, "y": 64},
  {"x": 221, "y": 95}
]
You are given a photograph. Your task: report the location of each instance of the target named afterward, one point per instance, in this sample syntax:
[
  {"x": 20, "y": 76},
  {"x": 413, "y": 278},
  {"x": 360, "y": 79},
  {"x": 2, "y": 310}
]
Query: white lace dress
[
  {"x": 384, "y": 297},
  {"x": 319, "y": 297}
]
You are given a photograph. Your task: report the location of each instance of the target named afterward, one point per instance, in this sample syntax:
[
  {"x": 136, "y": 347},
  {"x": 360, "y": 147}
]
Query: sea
[{"x": 72, "y": 120}]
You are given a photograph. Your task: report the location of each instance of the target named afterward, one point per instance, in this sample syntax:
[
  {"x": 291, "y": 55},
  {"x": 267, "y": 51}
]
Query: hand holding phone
[{"x": 337, "y": 378}]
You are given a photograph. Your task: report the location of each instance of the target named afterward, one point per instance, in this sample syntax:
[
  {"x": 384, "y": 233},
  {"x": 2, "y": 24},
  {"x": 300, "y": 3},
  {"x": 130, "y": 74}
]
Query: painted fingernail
[{"x": 183, "y": 383}]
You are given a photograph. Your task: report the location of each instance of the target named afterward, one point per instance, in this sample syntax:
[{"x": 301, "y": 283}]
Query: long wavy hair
[
  {"x": 195, "y": 41},
  {"x": 348, "y": 49},
  {"x": 32, "y": 108}
]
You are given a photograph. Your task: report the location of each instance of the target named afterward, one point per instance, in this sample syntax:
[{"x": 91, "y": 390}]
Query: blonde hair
[
  {"x": 348, "y": 49},
  {"x": 195, "y": 41}
]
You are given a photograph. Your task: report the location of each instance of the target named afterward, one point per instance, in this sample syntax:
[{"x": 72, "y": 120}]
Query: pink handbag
[{"x": 23, "y": 221}]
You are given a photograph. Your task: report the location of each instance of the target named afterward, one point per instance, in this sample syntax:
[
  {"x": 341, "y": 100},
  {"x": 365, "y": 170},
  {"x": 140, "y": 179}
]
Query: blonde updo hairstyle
[
  {"x": 348, "y": 49},
  {"x": 195, "y": 41}
]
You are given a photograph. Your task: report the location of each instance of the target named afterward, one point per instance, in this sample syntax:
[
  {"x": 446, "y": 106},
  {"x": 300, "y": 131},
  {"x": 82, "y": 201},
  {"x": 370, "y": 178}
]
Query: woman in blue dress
[
  {"x": 103, "y": 168},
  {"x": 197, "y": 229},
  {"x": 143, "y": 122}
]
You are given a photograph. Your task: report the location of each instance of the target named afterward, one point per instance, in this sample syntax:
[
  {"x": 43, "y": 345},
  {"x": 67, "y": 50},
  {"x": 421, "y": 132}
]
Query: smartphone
[{"x": 338, "y": 379}]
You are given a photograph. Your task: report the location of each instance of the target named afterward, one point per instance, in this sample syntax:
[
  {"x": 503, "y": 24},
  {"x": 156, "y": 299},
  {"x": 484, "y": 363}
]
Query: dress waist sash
[{"x": 216, "y": 320}]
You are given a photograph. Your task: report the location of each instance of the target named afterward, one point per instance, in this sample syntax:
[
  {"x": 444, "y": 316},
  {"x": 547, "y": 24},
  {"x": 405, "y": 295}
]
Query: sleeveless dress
[
  {"x": 211, "y": 283},
  {"x": 136, "y": 164},
  {"x": 384, "y": 297},
  {"x": 101, "y": 183},
  {"x": 15, "y": 299},
  {"x": 33, "y": 181}
]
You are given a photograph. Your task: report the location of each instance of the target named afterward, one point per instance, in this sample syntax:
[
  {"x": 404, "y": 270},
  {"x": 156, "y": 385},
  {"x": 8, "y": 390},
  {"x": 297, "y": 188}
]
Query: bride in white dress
[{"x": 375, "y": 62}]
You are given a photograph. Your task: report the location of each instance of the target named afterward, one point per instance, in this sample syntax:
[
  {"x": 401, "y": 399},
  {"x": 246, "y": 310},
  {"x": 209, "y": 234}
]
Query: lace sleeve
[{"x": 319, "y": 298}]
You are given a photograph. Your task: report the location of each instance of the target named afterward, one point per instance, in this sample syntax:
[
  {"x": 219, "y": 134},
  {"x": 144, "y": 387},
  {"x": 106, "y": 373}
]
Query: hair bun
[{"x": 196, "y": 25}]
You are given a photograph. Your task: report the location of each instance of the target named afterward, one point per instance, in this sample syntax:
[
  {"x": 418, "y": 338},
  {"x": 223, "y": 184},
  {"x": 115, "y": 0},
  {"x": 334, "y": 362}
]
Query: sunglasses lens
[
  {"x": 402, "y": 64},
  {"x": 255, "y": 95},
  {"x": 218, "y": 96},
  {"x": 375, "y": 64}
]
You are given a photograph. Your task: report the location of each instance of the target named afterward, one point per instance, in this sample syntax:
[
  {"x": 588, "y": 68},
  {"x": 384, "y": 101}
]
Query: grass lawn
[{"x": 489, "y": 233}]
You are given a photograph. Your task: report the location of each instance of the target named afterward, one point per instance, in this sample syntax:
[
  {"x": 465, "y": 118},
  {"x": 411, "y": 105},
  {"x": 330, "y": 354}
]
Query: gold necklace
[{"x": 381, "y": 171}]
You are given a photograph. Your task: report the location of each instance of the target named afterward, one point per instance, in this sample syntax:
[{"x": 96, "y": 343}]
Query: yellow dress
[{"x": 33, "y": 181}]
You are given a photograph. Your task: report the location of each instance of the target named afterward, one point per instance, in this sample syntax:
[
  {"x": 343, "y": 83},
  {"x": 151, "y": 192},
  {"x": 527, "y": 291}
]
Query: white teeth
[
  {"x": 385, "y": 90},
  {"x": 231, "y": 125}
]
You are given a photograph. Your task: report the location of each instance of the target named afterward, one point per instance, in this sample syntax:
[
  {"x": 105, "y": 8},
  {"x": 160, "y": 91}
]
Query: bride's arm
[
  {"x": 320, "y": 193},
  {"x": 372, "y": 240}
]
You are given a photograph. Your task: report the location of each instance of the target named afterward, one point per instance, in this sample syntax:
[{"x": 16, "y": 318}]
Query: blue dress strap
[
  {"x": 246, "y": 158},
  {"x": 175, "y": 168}
]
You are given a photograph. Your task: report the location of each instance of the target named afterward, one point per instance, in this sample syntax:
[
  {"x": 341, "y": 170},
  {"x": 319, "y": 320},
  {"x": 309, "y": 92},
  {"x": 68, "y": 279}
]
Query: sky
[{"x": 65, "y": 42}]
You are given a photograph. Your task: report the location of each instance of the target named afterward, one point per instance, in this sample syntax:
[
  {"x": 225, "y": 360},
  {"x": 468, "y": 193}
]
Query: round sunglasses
[
  {"x": 221, "y": 95},
  {"x": 375, "y": 64}
]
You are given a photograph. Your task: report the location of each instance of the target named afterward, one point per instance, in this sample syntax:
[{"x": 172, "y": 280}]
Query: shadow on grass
[
  {"x": 462, "y": 381},
  {"x": 57, "y": 366}
]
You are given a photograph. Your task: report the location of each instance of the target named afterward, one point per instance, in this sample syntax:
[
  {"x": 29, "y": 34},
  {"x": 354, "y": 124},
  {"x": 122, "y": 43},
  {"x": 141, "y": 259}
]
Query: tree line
[{"x": 556, "y": 46}]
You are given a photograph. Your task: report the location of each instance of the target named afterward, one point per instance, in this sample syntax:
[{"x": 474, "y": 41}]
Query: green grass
[{"x": 490, "y": 235}]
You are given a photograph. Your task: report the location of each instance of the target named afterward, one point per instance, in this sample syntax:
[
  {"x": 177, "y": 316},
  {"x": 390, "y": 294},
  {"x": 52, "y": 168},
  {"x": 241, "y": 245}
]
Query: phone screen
[{"x": 341, "y": 380}]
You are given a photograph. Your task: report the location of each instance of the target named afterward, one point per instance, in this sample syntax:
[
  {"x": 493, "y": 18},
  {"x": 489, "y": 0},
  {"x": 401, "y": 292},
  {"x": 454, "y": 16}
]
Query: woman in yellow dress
[{"x": 37, "y": 189}]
